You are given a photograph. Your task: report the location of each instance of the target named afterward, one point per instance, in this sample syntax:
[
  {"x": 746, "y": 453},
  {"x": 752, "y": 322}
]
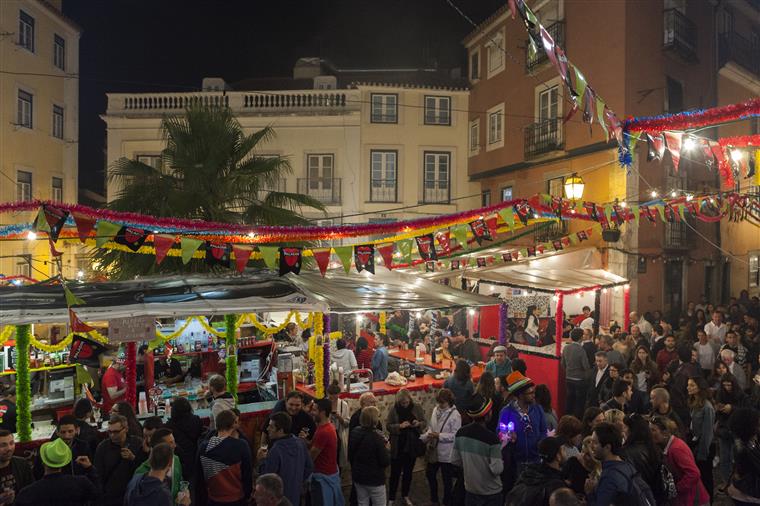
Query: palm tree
[{"x": 210, "y": 170}]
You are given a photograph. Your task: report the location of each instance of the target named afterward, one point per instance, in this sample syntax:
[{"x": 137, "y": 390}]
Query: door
[{"x": 673, "y": 288}]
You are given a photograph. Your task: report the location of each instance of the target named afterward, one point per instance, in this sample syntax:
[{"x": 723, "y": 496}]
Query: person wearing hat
[
  {"x": 68, "y": 431},
  {"x": 500, "y": 365},
  {"x": 57, "y": 488},
  {"x": 538, "y": 481},
  {"x": 521, "y": 426},
  {"x": 477, "y": 451}
]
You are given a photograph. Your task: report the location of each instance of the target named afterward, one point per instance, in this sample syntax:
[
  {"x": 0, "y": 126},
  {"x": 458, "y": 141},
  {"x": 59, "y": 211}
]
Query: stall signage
[{"x": 139, "y": 328}]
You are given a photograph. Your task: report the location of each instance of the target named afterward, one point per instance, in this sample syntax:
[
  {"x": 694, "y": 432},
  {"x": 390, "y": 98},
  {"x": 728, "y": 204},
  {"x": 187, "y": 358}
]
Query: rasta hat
[
  {"x": 479, "y": 406},
  {"x": 517, "y": 382}
]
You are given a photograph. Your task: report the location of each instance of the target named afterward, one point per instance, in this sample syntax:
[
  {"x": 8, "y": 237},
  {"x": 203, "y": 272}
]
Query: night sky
[{"x": 170, "y": 45}]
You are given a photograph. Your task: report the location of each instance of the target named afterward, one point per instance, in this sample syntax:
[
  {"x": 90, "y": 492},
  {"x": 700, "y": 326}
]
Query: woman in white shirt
[
  {"x": 444, "y": 424},
  {"x": 531, "y": 326},
  {"x": 340, "y": 418}
]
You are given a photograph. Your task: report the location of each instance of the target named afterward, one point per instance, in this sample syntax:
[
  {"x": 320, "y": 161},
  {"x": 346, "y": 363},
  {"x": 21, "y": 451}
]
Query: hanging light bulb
[
  {"x": 673, "y": 194},
  {"x": 418, "y": 314},
  {"x": 627, "y": 286},
  {"x": 31, "y": 235},
  {"x": 604, "y": 290},
  {"x": 689, "y": 143},
  {"x": 736, "y": 155},
  {"x": 471, "y": 312},
  {"x": 654, "y": 194},
  {"x": 555, "y": 298},
  {"x": 80, "y": 274},
  {"x": 623, "y": 205}
]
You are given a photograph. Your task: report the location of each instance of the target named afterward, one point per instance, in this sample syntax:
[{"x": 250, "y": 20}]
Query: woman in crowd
[
  {"x": 617, "y": 418},
  {"x": 531, "y": 327},
  {"x": 363, "y": 353},
  {"x": 405, "y": 423},
  {"x": 745, "y": 480},
  {"x": 680, "y": 461},
  {"x": 644, "y": 369},
  {"x": 570, "y": 429},
  {"x": 719, "y": 370},
  {"x": 702, "y": 421},
  {"x": 369, "y": 457},
  {"x": 460, "y": 383},
  {"x": 340, "y": 416},
  {"x": 699, "y": 320},
  {"x": 446, "y": 348},
  {"x": 125, "y": 409},
  {"x": 439, "y": 438},
  {"x": 581, "y": 467},
  {"x": 641, "y": 452},
  {"x": 487, "y": 389},
  {"x": 728, "y": 398},
  {"x": 591, "y": 417},
  {"x": 188, "y": 430},
  {"x": 544, "y": 399}
]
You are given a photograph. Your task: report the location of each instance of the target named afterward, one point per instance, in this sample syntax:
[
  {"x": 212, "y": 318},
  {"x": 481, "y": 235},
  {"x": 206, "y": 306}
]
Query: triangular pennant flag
[
  {"x": 460, "y": 234},
  {"x": 455, "y": 265},
  {"x": 242, "y": 254},
  {"x": 386, "y": 252},
  {"x": 480, "y": 261},
  {"x": 218, "y": 253},
  {"x": 56, "y": 219},
  {"x": 524, "y": 252},
  {"x": 573, "y": 239},
  {"x": 405, "y": 247},
  {"x": 647, "y": 213},
  {"x": 608, "y": 213},
  {"x": 84, "y": 224},
  {"x": 531, "y": 251},
  {"x": 188, "y": 246},
  {"x": 131, "y": 237},
  {"x": 290, "y": 259},
  {"x": 105, "y": 231},
  {"x": 682, "y": 211},
  {"x": 491, "y": 223},
  {"x": 54, "y": 252},
  {"x": 480, "y": 230},
  {"x": 85, "y": 351},
  {"x": 426, "y": 247},
  {"x": 589, "y": 232},
  {"x": 40, "y": 222},
  {"x": 269, "y": 254},
  {"x": 71, "y": 299},
  {"x": 162, "y": 244},
  {"x": 588, "y": 110},
  {"x": 633, "y": 140},
  {"x": 673, "y": 142},
  {"x": 76, "y": 324},
  {"x": 444, "y": 239},
  {"x": 507, "y": 257},
  {"x": 636, "y": 214},
  {"x": 580, "y": 84},
  {"x": 430, "y": 266},
  {"x": 508, "y": 215},
  {"x": 345, "y": 253},
  {"x": 661, "y": 210},
  {"x": 600, "y": 115},
  {"x": 582, "y": 236},
  {"x": 655, "y": 147},
  {"x": 557, "y": 245},
  {"x": 322, "y": 257},
  {"x": 364, "y": 258}
]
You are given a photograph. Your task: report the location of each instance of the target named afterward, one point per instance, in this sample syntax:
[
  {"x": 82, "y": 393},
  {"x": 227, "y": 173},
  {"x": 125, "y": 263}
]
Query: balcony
[
  {"x": 675, "y": 235},
  {"x": 557, "y": 31},
  {"x": 679, "y": 36},
  {"x": 323, "y": 189},
  {"x": 436, "y": 191},
  {"x": 543, "y": 137},
  {"x": 551, "y": 231},
  {"x": 733, "y": 47},
  {"x": 383, "y": 190}
]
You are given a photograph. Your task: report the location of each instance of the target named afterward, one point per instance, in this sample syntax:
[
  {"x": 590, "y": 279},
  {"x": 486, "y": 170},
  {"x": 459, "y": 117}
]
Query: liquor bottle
[{"x": 432, "y": 355}]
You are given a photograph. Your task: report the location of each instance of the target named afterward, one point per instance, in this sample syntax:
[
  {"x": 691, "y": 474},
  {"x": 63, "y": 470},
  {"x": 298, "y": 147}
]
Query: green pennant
[
  {"x": 580, "y": 86},
  {"x": 632, "y": 142},
  {"x": 447, "y": 265},
  {"x": 40, "y": 223},
  {"x": 600, "y": 115},
  {"x": 105, "y": 231},
  {"x": 71, "y": 299},
  {"x": 83, "y": 376},
  {"x": 545, "y": 198},
  {"x": 661, "y": 209},
  {"x": 573, "y": 239},
  {"x": 636, "y": 214},
  {"x": 269, "y": 254},
  {"x": 608, "y": 213},
  {"x": 460, "y": 234},
  {"x": 345, "y": 253},
  {"x": 524, "y": 253},
  {"x": 508, "y": 215},
  {"x": 405, "y": 248},
  {"x": 681, "y": 211},
  {"x": 189, "y": 246}
]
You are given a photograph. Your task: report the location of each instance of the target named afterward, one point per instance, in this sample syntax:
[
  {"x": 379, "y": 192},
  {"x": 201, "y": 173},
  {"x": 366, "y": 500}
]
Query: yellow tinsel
[
  {"x": 319, "y": 324},
  {"x": 382, "y": 321},
  {"x": 319, "y": 369},
  {"x": 50, "y": 348},
  {"x": 6, "y": 333}
]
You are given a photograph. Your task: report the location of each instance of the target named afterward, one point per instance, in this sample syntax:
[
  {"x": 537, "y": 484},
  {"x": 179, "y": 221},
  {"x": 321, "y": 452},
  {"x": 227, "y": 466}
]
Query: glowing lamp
[{"x": 574, "y": 187}]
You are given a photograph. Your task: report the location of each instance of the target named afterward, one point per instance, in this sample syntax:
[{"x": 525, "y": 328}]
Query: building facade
[
  {"x": 642, "y": 59},
  {"x": 39, "y": 97}
]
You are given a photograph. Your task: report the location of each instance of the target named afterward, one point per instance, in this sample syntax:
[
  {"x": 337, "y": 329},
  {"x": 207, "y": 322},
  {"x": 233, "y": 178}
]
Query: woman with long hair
[
  {"x": 444, "y": 424},
  {"x": 702, "y": 421},
  {"x": 699, "y": 320},
  {"x": 581, "y": 467},
  {"x": 126, "y": 410},
  {"x": 591, "y": 418},
  {"x": 728, "y": 398},
  {"x": 460, "y": 383},
  {"x": 644, "y": 369},
  {"x": 531, "y": 326},
  {"x": 363, "y": 353},
  {"x": 544, "y": 399},
  {"x": 446, "y": 348},
  {"x": 719, "y": 370},
  {"x": 188, "y": 430},
  {"x": 486, "y": 387},
  {"x": 570, "y": 430},
  {"x": 405, "y": 423},
  {"x": 641, "y": 452},
  {"x": 369, "y": 457}
]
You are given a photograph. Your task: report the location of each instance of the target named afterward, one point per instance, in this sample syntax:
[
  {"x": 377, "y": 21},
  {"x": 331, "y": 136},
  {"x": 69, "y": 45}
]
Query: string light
[
  {"x": 736, "y": 155},
  {"x": 689, "y": 143},
  {"x": 31, "y": 235},
  {"x": 80, "y": 274},
  {"x": 471, "y": 312},
  {"x": 623, "y": 205},
  {"x": 654, "y": 194},
  {"x": 673, "y": 194},
  {"x": 359, "y": 318},
  {"x": 16, "y": 282}
]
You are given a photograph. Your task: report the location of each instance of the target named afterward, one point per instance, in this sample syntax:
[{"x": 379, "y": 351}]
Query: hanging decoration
[
  {"x": 364, "y": 258},
  {"x": 426, "y": 247},
  {"x": 131, "y": 237},
  {"x": 290, "y": 260},
  {"x": 23, "y": 385},
  {"x": 382, "y": 321},
  {"x": 480, "y": 231},
  {"x": 55, "y": 218},
  {"x": 218, "y": 254},
  {"x": 386, "y": 253},
  {"x": 503, "y": 319},
  {"x": 232, "y": 368},
  {"x": 84, "y": 351},
  {"x": 322, "y": 257},
  {"x": 131, "y": 373}
]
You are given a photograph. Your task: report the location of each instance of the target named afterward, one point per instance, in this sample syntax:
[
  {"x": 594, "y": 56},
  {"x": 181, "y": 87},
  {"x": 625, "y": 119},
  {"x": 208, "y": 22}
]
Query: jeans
[
  {"x": 726, "y": 446},
  {"x": 404, "y": 463},
  {"x": 447, "y": 471},
  {"x": 367, "y": 495},
  {"x": 576, "y": 397},
  {"x": 706, "y": 470},
  {"x": 483, "y": 500}
]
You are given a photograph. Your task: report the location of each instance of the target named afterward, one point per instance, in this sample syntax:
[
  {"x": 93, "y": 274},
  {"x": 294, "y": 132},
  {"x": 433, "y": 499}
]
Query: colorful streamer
[{"x": 23, "y": 384}]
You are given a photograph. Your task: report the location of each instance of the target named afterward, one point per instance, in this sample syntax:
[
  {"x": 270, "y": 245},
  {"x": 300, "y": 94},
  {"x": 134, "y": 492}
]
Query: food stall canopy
[
  {"x": 160, "y": 296},
  {"x": 384, "y": 291}
]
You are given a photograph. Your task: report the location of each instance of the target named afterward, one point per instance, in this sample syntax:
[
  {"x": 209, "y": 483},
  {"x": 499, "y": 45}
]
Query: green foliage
[
  {"x": 23, "y": 385},
  {"x": 210, "y": 170},
  {"x": 232, "y": 369}
]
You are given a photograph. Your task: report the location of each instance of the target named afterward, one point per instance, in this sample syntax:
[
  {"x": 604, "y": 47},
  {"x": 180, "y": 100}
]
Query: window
[
  {"x": 56, "y": 195},
  {"x": 674, "y": 96},
  {"x": 475, "y": 65},
  {"x": 320, "y": 183},
  {"x": 24, "y": 268},
  {"x": 23, "y": 186},
  {"x": 25, "y": 109},
  {"x": 754, "y": 270},
  {"x": 495, "y": 127},
  {"x": 485, "y": 198},
  {"x": 556, "y": 187},
  {"x": 437, "y": 110},
  {"x": 59, "y": 52},
  {"x": 384, "y": 108},
  {"x": 150, "y": 160},
  {"x": 726, "y": 21},
  {"x": 495, "y": 54},
  {"x": 26, "y": 31},
  {"x": 58, "y": 122},
  {"x": 383, "y": 176},
  {"x": 506, "y": 194},
  {"x": 548, "y": 104},
  {"x": 436, "y": 175},
  {"x": 475, "y": 135}
]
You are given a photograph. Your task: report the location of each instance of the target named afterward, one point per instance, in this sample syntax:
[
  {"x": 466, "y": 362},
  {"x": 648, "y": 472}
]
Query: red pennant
[
  {"x": 54, "y": 252},
  {"x": 515, "y": 254},
  {"x": 444, "y": 239},
  {"x": 565, "y": 241},
  {"x": 78, "y": 325},
  {"x": 242, "y": 254},
  {"x": 589, "y": 231},
  {"x": 162, "y": 244},
  {"x": 322, "y": 257},
  {"x": 84, "y": 223},
  {"x": 492, "y": 224},
  {"x": 386, "y": 252},
  {"x": 673, "y": 142}
]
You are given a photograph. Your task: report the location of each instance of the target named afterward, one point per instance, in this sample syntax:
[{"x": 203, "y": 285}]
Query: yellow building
[{"x": 39, "y": 108}]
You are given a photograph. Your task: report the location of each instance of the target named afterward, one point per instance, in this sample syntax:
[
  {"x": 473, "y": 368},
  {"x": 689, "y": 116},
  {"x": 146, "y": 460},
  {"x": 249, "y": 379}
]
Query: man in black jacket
[
  {"x": 116, "y": 461},
  {"x": 683, "y": 371},
  {"x": 15, "y": 472},
  {"x": 87, "y": 433},
  {"x": 600, "y": 384},
  {"x": 537, "y": 482},
  {"x": 67, "y": 431}
]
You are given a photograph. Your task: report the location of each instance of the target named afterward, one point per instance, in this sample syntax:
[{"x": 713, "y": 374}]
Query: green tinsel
[
  {"x": 232, "y": 369},
  {"x": 23, "y": 387}
]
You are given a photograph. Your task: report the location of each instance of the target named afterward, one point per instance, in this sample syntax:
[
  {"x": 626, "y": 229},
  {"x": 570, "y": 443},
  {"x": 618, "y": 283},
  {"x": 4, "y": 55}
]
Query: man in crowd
[
  {"x": 226, "y": 464},
  {"x": 601, "y": 384},
  {"x": 537, "y": 483},
  {"x": 588, "y": 345},
  {"x": 707, "y": 351},
  {"x": 477, "y": 451},
  {"x": 668, "y": 354},
  {"x": 325, "y": 489},
  {"x": 148, "y": 488},
  {"x": 8, "y": 409},
  {"x": 638, "y": 403},
  {"x": 715, "y": 328},
  {"x": 67, "y": 431},
  {"x": 380, "y": 359},
  {"x": 301, "y": 422},
  {"x": 644, "y": 326},
  {"x": 173, "y": 476},
  {"x": 150, "y": 426},
  {"x": 733, "y": 344},
  {"x": 168, "y": 370},
  {"x": 366, "y": 399},
  {"x": 112, "y": 385},
  {"x": 343, "y": 357},
  {"x": 621, "y": 396},
  {"x": 286, "y": 456},
  {"x": 222, "y": 400},
  {"x": 87, "y": 433},
  {"x": 464, "y": 347},
  {"x": 729, "y": 358},
  {"x": 657, "y": 341},
  {"x": 15, "y": 472},
  {"x": 660, "y": 400},
  {"x": 57, "y": 487},
  {"x": 576, "y": 365},
  {"x": 115, "y": 460},
  {"x": 269, "y": 491},
  {"x": 500, "y": 365}
]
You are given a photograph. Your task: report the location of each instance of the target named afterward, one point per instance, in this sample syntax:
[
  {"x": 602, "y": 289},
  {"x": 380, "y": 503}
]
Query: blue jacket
[
  {"x": 289, "y": 458},
  {"x": 616, "y": 478},
  {"x": 144, "y": 490},
  {"x": 380, "y": 364},
  {"x": 529, "y": 432}
]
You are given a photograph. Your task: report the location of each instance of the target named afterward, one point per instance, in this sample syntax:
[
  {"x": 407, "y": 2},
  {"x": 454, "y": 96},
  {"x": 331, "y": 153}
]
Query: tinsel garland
[
  {"x": 326, "y": 357},
  {"x": 559, "y": 316},
  {"x": 740, "y": 141},
  {"x": 503, "y": 323},
  {"x": 23, "y": 384},
  {"x": 693, "y": 119},
  {"x": 131, "y": 373},
  {"x": 232, "y": 368},
  {"x": 382, "y": 320},
  {"x": 319, "y": 368}
]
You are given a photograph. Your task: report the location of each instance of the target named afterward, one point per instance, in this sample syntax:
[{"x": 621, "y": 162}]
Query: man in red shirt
[
  {"x": 668, "y": 354},
  {"x": 112, "y": 385},
  {"x": 325, "y": 481}
]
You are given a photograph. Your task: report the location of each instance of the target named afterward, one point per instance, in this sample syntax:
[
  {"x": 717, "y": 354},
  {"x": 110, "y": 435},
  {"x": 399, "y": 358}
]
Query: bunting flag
[
  {"x": 582, "y": 236},
  {"x": 269, "y": 254},
  {"x": 661, "y": 211},
  {"x": 647, "y": 213},
  {"x": 76, "y": 324},
  {"x": 131, "y": 237},
  {"x": 105, "y": 231},
  {"x": 188, "y": 246},
  {"x": 492, "y": 222},
  {"x": 40, "y": 222},
  {"x": 430, "y": 266},
  {"x": 670, "y": 215},
  {"x": 56, "y": 219},
  {"x": 54, "y": 252},
  {"x": 322, "y": 257},
  {"x": 508, "y": 215},
  {"x": 218, "y": 254},
  {"x": 364, "y": 258},
  {"x": 600, "y": 105},
  {"x": 290, "y": 259},
  {"x": 444, "y": 239},
  {"x": 531, "y": 250},
  {"x": 162, "y": 244},
  {"x": 655, "y": 147},
  {"x": 386, "y": 253},
  {"x": 557, "y": 245},
  {"x": 682, "y": 213},
  {"x": 345, "y": 253},
  {"x": 480, "y": 230},
  {"x": 591, "y": 210},
  {"x": 522, "y": 211},
  {"x": 242, "y": 255},
  {"x": 405, "y": 248},
  {"x": 507, "y": 257},
  {"x": 84, "y": 224},
  {"x": 460, "y": 234},
  {"x": 455, "y": 265},
  {"x": 580, "y": 84},
  {"x": 71, "y": 298},
  {"x": 426, "y": 247},
  {"x": 636, "y": 214},
  {"x": 589, "y": 110},
  {"x": 480, "y": 261},
  {"x": 673, "y": 143},
  {"x": 85, "y": 351},
  {"x": 619, "y": 214}
]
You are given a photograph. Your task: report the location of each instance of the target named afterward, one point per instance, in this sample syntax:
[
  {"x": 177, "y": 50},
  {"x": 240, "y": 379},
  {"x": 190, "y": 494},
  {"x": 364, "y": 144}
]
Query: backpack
[
  {"x": 639, "y": 492},
  {"x": 668, "y": 490}
]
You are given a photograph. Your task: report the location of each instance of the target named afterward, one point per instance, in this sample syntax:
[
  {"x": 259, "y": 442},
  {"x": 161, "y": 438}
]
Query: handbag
[{"x": 431, "y": 447}]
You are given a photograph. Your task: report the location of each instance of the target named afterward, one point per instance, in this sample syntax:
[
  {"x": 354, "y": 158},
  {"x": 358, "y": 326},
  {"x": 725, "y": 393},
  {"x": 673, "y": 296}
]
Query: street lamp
[{"x": 574, "y": 187}]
